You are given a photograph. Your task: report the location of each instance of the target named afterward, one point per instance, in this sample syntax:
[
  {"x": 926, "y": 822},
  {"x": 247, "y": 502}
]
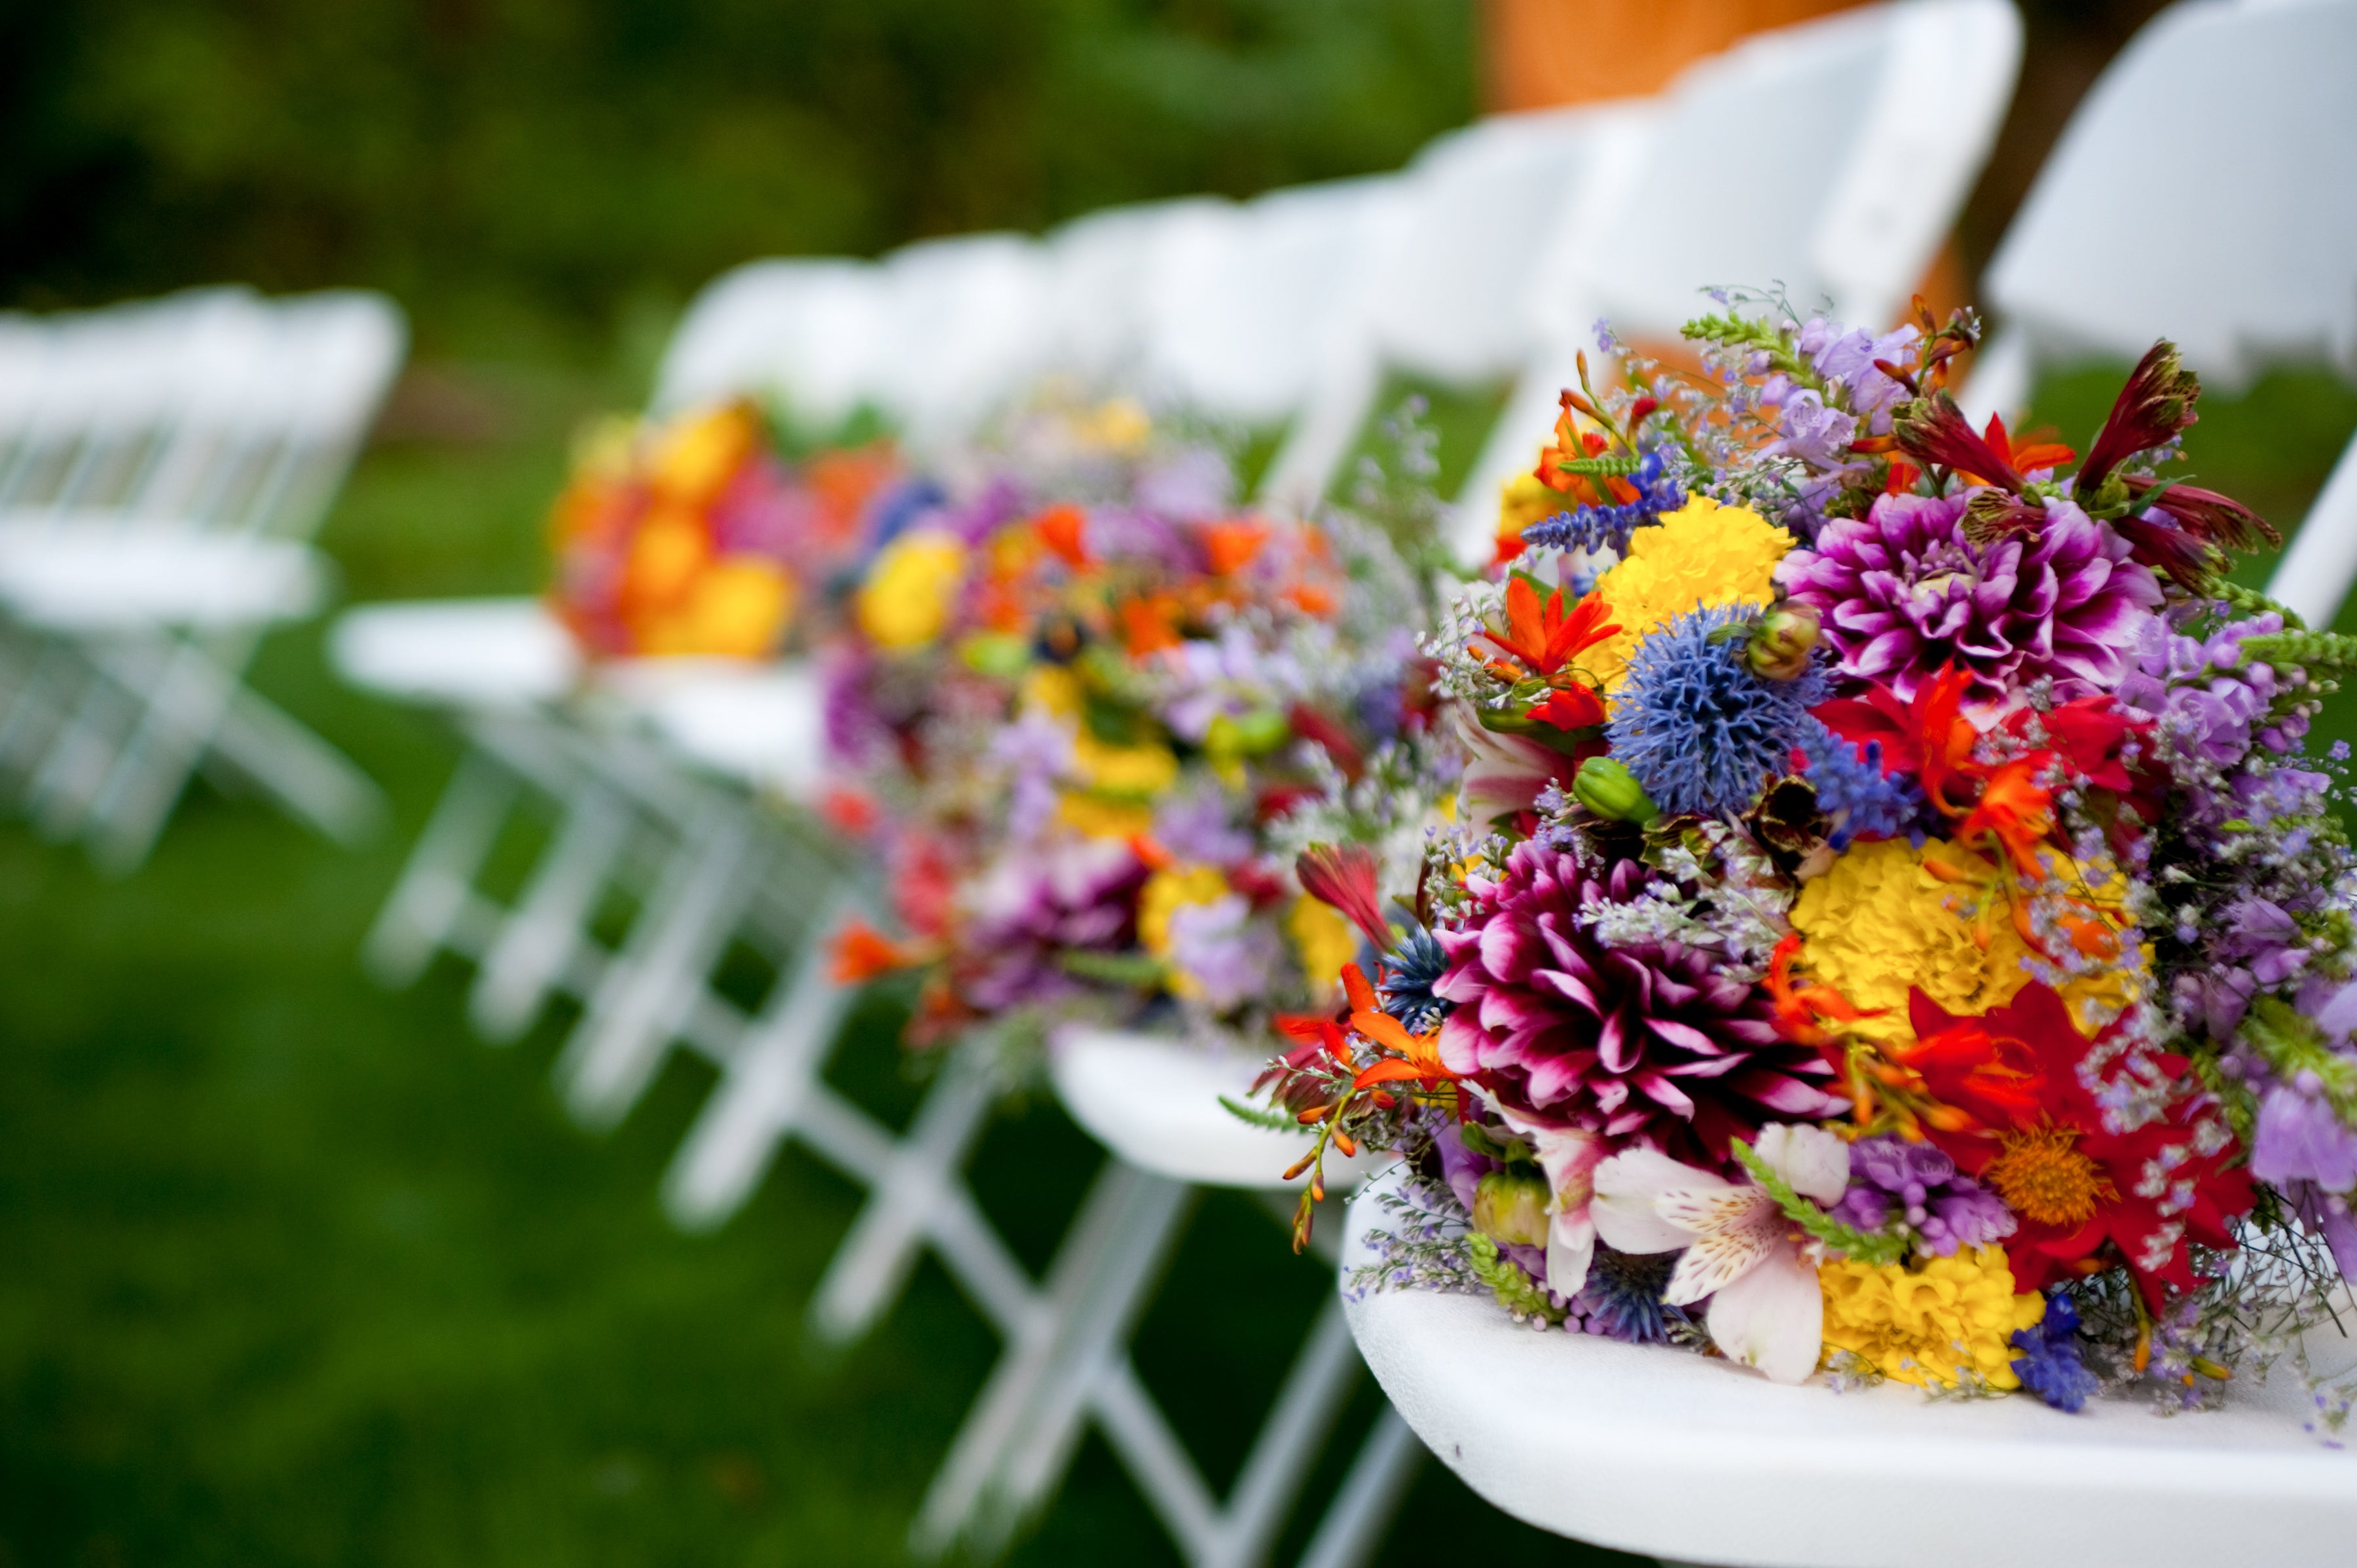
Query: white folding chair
[
  {"x": 2262, "y": 158},
  {"x": 1154, "y": 1102},
  {"x": 1903, "y": 100},
  {"x": 156, "y": 506}
]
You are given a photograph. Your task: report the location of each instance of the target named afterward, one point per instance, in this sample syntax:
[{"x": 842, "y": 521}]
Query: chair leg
[
  {"x": 537, "y": 944},
  {"x": 1372, "y": 1493},
  {"x": 426, "y": 905},
  {"x": 763, "y": 1094},
  {"x": 1118, "y": 1240},
  {"x": 653, "y": 986},
  {"x": 872, "y": 1265}
]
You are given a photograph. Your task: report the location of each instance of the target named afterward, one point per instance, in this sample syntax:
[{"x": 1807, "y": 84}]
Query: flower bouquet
[
  {"x": 1078, "y": 703},
  {"x": 1886, "y": 923},
  {"x": 692, "y": 535}
]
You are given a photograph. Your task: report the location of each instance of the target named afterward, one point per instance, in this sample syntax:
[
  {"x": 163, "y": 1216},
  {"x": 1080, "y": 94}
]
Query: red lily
[{"x": 1344, "y": 879}]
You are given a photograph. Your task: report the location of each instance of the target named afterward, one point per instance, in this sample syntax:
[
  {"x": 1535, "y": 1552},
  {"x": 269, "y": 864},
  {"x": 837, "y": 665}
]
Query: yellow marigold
[
  {"x": 1886, "y": 917},
  {"x": 904, "y": 602},
  {"x": 1927, "y": 1322},
  {"x": 1702, "y": 554},
  {"x": 695, "y": 457},
  {"x": 735, "y": 610},
  {"x": 1323, "y": 941}
]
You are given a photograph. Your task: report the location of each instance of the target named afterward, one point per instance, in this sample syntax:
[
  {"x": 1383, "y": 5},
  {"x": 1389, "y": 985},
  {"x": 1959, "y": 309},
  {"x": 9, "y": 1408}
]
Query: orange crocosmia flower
[
  {"x": 1231, "y": 546},
  {"x": 2029, "y": 455},
  {"x": 2016, "y": 809},
  {"x": 1418, "y": 1054},
  {"x": 1150, "y": 853},
  {"x": 1361, "y": 996},
  {"x": 861, "y": 952},
  {"x": 1311, "y": 599},
  {"x": 848, "y": 810},
  {"x": 1316, "y": 1034},
  {"x": 1569, "y": 445},
  {"x": 1149, "y": 624},
  {"x": 1542, "y": 635},
  {"x": 1060, "y": 528},
  {"x": 1570, "y": 708},
  {"x": 1802, "y": 1013},
  {"x": 844, "y": 482}
]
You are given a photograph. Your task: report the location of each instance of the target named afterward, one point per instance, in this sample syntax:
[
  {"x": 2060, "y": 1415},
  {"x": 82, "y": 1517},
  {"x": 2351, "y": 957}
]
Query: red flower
[
  {"x": 2016, "y": 1115},
  {"x": 1344, "y": 879},
  {"x": 1570, "y": 708},
  {"x": 1542, "y": 636}
]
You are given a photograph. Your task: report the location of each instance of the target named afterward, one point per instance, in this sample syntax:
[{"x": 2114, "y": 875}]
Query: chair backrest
[
  {"x": 1831, "y": 157},
  {"x": 809, "y": 334},
  {"x": 1100, "y": 323},
  {"x": 2206, "y": 190},
  {"x": 215, "y": 408},
  {"x": 967, "y": 330},
  {"x": 1243, "y": 305}
]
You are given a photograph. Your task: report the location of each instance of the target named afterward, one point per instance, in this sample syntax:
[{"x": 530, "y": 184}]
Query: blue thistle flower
[
  {"x": 1623, "y": 1296},
  {"x": 1854, "y": 792},
  {"x": 1406, "y": 980},
  {"x": 2049, "y": 1365},
  {"x": 1700, "y": 730},
  {"x": 1608, "y": 527}
]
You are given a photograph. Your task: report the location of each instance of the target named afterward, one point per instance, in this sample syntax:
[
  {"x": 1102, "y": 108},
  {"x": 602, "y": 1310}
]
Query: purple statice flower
[
  {"x": 1854, "y": 794},
  {"x": 2327, "y": 1214},
  {"x": 1904, "y": 592},
  {"x": 1594, "y": 528},
  {"x": 1193, "y": 483},
  {"x": 1623, "y": 1296},
  {"x": 1037, "y": 750},
  {"x": 1700, "y": 732},
  {"x": 2048, "y": 1365},
  {"x": 1653, "y": 1042},
  {"x": 1228, "y": 956},
  {"x": 1891, "y": 1177},
  {"x": 1231, "y": 676}
]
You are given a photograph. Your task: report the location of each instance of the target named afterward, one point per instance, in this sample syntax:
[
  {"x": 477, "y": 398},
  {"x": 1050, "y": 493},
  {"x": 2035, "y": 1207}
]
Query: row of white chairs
[
  {"x": 162, "y": 467},
  {"x": 1484, "y": 261}
]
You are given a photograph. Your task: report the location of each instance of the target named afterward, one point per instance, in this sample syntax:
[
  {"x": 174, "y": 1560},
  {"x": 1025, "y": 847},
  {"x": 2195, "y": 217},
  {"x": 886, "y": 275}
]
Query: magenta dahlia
[
  {"x": 1655, "y": 1043},
  {"x": 1902, "y": 591}
]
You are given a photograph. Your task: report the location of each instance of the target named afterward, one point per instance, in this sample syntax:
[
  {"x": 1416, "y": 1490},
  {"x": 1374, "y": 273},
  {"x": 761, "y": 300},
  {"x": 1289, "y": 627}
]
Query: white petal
[
  {"x": 1814, "y": 1161},
  {"x": 1721, "y": 1254},
  {"x": 1571, "y": 1247},
  {"x": 1773, "y": 1317},
  {"x": 1626, "y": 1188},
  {"x": 1569, "y": 1159}
]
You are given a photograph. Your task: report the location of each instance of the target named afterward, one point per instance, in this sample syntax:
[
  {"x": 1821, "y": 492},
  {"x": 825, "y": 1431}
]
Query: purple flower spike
[{"x": 1891, "y": 1178}]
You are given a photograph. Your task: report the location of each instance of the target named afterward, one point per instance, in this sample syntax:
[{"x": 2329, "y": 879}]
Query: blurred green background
[{"x": 294, "y": 1271}]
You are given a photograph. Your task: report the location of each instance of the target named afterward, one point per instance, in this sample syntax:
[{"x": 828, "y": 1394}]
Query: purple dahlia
[
  {"x": 1655, "y": 1043},
  {"x": 1902, "y": 591}
]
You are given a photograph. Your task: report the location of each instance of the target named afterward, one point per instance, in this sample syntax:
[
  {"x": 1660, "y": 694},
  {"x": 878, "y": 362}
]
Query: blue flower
[
  {"x": 1855, "y": 793},
  {"x": 1608, "y": 527},
  {"x": 1700, "y": 732},
  {"x": 2049, "y": 1365},
  {"x": 1407, "y": 979},
  {"x": 1623, "y": 1296}
]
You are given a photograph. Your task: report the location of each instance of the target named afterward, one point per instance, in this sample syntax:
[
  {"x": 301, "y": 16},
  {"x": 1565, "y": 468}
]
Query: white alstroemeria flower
[
  {"x": 1766, "y": 1310},
  {"x": 1569, "y": 1159}
]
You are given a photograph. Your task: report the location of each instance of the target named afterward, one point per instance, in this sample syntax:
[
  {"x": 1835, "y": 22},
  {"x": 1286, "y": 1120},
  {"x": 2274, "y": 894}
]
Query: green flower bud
[
  {"x": 1510, "y": 1206},
  {"x": 1781, "y": 645},
  {"x": 1607, "y": 788},
  {"x": 993, "y": 653},
  {"x": 1249, "y": 734}
]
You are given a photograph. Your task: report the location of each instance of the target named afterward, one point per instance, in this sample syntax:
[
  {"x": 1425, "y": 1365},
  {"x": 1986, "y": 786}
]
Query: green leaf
[
  {"x": 1274, "y": 1121},
  {"x": 1114, "y": 967},
  {"x": 1875, "y": 1247}
]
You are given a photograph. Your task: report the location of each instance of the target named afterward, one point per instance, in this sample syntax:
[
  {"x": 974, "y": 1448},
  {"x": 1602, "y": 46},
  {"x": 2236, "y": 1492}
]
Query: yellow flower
[
  {"x": 697, "y": 454},
  {"x": 1886, "y": 917},
  {"x": 1168, "y": 891},
  {"x": 1925, "y": 1323},
  {"x": 1117, "y": 424},
  {"x": 904, "y": 602},
  {"x": 735, "y": 610},
  {"x": 1702, "y": 554},
  {"x": 1324, "y": 942},
  {"x": 1521, "y": 501}
]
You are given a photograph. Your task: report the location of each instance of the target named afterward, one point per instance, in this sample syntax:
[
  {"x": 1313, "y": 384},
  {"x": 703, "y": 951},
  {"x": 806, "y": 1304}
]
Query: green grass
[{"x": 294, "y": 1271}]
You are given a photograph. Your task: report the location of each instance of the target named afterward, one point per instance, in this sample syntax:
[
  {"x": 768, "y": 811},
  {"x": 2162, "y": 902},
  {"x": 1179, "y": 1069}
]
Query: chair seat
[
  {"x": 128, "y": 575},
  {"x": 1661, "y": 1451},
  {"x": 1154, "y": 1100},
  {"x": 762, "y": 725},
  {"x": 460, "y": 653}
]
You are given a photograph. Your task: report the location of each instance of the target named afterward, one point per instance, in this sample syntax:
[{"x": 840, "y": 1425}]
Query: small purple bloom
[
  {"x": 1892, "y": 1179},
  {"x": 2048, "y": 1365}
]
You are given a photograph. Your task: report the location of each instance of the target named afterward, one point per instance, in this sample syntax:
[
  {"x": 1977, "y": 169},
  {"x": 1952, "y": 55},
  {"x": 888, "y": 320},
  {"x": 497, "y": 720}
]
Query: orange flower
[
  {"x": 1802, "y": 1015},
  {"x": 1542, "y": 635},
  {"x": 2016, "y": 809},
  {"x": 1231, "y": 546},
  {"x": 1149, "y": 624},
  {"x": 861, "y": 952},
  {"x": 1060, "y": 529}
]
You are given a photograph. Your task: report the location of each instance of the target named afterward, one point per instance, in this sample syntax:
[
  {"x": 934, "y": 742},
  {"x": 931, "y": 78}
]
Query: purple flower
[
  {"x": 2301, "y": 1138},
  {"x": 1700, "y": 730},
  {"x": 2048, "y": 1365},
  {"x": 1621, "y": 1298},
  {"x": 1067, "y": 895},
  {"x": 1196, "y": 826},
  {"x": 1918, "y": 1183},
  {"x": 1817, "y": 436},
  {"x": 1904, "y": 592},
  {"x": 1230, "y": 957},
  {"x": 1849, "y": 357},
  {"x": 1656, "y": 1043}
]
